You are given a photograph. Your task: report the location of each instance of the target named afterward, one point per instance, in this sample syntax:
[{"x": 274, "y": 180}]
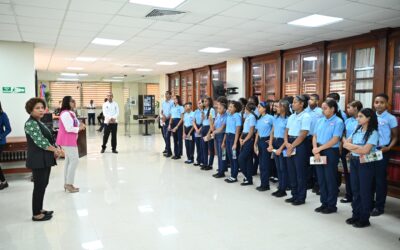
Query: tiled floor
[{"x": 140, "y": 200}]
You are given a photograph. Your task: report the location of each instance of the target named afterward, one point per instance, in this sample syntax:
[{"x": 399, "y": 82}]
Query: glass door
[
  {"x": 291, "y": 77},
  {"x": 396, "y": 79},
  {"x": 218, "y": 82},
  {"x": 176, "y": 86},
  {"x": 309, "y": 74},
  {"x": 338, "y": 75},
  {"x": 201, "y": 84},
  {"x": 257, "y": 83},
  {"x": 271, "y": 79},
  {"x": 183, "y": 89},
  {"x": 189, "y": 88},
  {"x": 364, "y": 76}
]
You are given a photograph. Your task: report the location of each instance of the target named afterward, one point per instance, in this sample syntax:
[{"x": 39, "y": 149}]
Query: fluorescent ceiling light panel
[
  {"x": 118, "y": 77},
  {"x": 67, "y": 79},
  {"x": 214, "y": 50},
  {"x": 112, "y": 80},
  {"x": 315, "y": 21},
  {"x": 74, "y": 74},
  {"x": 167, "y": 63},
  {"x": 170, "y": 4},
  {"x": 167, "y": 230},
  {"x": 107, "y": 42},
  {"x": 144, "y": 70},
  {"x": 74, "y": 68},
  {"x": 86, "y": 59},
  {"x": 146, "y": 209},
  {"x": 92, "y": 245}
]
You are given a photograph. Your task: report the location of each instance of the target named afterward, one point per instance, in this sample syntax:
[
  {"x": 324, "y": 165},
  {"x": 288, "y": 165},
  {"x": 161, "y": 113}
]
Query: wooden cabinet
[
  {"x": 187, "y": 86},
  {"x": 218, "y": 80},
  {"x": 174, "y": 84},
  {"x": 338, "y": 74},
  {"x": 202, "y": 82}
]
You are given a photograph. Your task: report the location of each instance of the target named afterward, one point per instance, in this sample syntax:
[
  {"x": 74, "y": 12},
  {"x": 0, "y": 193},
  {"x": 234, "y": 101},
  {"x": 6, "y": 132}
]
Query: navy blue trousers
[
  {"x": 178, "y": 143},
  {"x": 197, "y": 142},
  {"x": 297, "y": 169},
  {"x": 246, "y": 160},
  {"x": 281, "y": 166},
  {"x": 207, "y": 147},
  {"x": 265, "y": 160},
  {"x": 349, "y": 193},
  {"x": 221, "y": 163},
  {"x": 361, "y": 175},
  {"x": 327, "y": 178},
  {"x": 167, "y": 137},
  {"x": 380, "y": 189},
  {"x": 230, "y": 139},
  {"x": 189, "y": 144}
]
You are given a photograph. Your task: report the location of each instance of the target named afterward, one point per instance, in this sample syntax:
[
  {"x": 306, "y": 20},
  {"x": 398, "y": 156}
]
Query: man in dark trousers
[{"x": 110, "y": 112}]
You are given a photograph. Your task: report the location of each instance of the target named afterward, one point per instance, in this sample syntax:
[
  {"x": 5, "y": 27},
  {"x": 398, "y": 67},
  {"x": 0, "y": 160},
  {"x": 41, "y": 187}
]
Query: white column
[{"x": 235, "y": 77}]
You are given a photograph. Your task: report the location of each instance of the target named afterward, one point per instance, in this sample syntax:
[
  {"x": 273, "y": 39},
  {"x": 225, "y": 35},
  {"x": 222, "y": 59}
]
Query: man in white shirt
[
  {"x": 91, "y": 113},
  {"x": 165, "y": 116},
  {"x": 111, "y": 112}
]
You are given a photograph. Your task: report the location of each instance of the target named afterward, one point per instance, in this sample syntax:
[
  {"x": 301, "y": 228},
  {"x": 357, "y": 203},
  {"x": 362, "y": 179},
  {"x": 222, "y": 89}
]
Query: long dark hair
[
  {"x": 66, "y": 103},
  {"x": 243, "y": 101},
  {"x": 251, "y": 107},
  {"x": 304, "y": 99},
  {"x": 333, "y": 104},
  {"x": 286, "y": 105},
  {"x": 254, "y": 99},
  {"x": 179, "y": 100},
  {"x": 372, "y": 124},
  {"x": 210, "y": 102}
]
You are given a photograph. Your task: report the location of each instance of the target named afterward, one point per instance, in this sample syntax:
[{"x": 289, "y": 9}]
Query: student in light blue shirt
[
  {"x": 188, "y": 134},
  {"x": 326, "y": 141},
  {"x": 256, "y": 160},
  {"x": 263, "y": 128},
  {"x": 336, "y": 97},
  {"x": 296, "y": 132},
  {"x": 362, "y": 142},
  {"x": 247, "y": 145},
  {"x": 197, "y": 123},
  {"x": 208, "y": 117},
  {"x": 167, "y": 104},
  {"x": 231, "y": 138},
  {"x": 350, "y": 126},
  {"x": 175, "y": 126},
  {"x": 387, "y": 129},
  {"x": 277, "y": 142},
  {"x": 219, "y": 134}
]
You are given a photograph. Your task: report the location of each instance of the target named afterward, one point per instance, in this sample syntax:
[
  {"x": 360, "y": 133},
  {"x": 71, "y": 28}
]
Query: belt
[
  {"x": 380, "y": 147},
  {"x": 292, "y": 137},
  {"x": 264, "y": 138}
]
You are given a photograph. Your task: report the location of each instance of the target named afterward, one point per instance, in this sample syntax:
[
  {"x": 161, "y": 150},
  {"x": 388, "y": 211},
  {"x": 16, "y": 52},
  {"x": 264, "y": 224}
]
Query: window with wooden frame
[
  {"x": 271, "y": 80},
  {"x": 291, "y": 76},
  {"x": 202, "y": 84},
  {"x": 309, "y": 74},
  {"x": 338, "y": 77},
  {"x": 363, "y": 84},
  {"x": 257, "y": 82}
]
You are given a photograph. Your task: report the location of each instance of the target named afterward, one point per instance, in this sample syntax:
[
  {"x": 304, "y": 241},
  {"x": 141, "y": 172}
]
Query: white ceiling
[{"x": 64, "y": 29}]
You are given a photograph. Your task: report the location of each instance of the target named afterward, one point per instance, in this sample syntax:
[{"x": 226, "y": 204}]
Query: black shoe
[
  {"x": 3, "y": 185},
  {"x": 376, "y": 212},
  {"x": 275, "y": 193},
  {"x": 298, "y": 203},
  {"x": 103, "y": 150},
  {"x": 351, "y": 221},
  {"x": 115, "y": 152},
  {"x": 262, "y": 189},
  {"x": 45, "y": 218},
  {"x": 361, "y": 224},
  {"x": 345, "y": 200},
  {"x": 290, "y": 200},
  {"x": 320, "y": 209},
  {"x": 218, "y": 175},
  {"x": 165, "y": 151},
  {"x": 281, "y": 194},
  {"x": 168, "y": 155},
  {"x": 196, "y": 164},
  {"x": 329, "y": 210},
  {"x": 230, "y": 180},
  {"x": 176, "y": 157},
  {"x": 47, "y": 212},
  {"x": 206, "y": 168},
  {"x": 189, "y": 162},
  {"x": 273, "y": 180},
  {"x": 246, "y": 183}
]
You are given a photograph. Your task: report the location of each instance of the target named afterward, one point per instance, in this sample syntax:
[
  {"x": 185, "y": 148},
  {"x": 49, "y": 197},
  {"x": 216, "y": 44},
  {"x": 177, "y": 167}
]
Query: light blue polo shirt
[
  {"x": 188, "y": 119},
  {"x": 351, "y": 125},
  {"x": 220, "y": 120},
  {"x": 232, "y": 122},
  {"x": 315, "y": 114},
  {"x": 344, "y": 116},
  {"x": 326, "y": 129},
  {"x": 177, "y": 111},
  {"x": 386, "y": 122},
  {"x": 358, "y": 139},
  {"x": 249, "y": 122},
  {"x": 264, "y": 125},
  {"x": 197, "y": 116},
  {"x": 206, "y": 121},
  {"x": 166, "y": 107},
  {"x": 298, "y": 122},
  {"x": 280, "y": 126}
]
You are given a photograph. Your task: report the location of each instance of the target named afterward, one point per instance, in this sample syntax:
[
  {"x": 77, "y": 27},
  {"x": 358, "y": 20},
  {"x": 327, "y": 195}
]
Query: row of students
[{"x": 247, "y": 137}]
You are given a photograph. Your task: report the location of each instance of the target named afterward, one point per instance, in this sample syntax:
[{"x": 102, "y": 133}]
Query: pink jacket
[{"x": 68, "y": 133}]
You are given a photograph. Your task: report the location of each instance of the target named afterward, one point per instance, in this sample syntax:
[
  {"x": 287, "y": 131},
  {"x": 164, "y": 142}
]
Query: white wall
[
  {"x": 235, "y": 77},
  {"x": 17, "y": 69}
]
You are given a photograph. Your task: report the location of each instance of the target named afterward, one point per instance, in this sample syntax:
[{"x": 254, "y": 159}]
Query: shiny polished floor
[{"x": 140, "y": 200}]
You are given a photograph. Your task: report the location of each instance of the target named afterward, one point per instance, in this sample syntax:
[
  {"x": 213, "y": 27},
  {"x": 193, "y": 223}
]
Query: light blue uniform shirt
[
  {"x": 232, "y": 122},
  {"x": 197, "y": 116},
  {"x": 166, "y": 107},
  {"x": 249, "y": 122},
  {"x": 206, "y": 121},
  {"x": 264, "y": 125},
  {"x": 386, "y": 122},
  {"x": 298, "y": 122},
  {"x": 188, "y": 119},
  {"x": 344, "y": 116},
  {"x": 351, "y": 125},
  {"x": 358, "y": 139},
  {"x": 280, "y": 126},
  {"x": 220, "y": 120},
  {"x": 177, "y": 111},
  {"x": 315, "y": 114},
  {"x": 326, "y": 129}
]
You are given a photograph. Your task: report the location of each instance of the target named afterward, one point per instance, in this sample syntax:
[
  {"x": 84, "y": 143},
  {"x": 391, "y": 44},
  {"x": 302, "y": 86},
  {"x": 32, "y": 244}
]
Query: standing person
[
  {"x": 362, "y": 142},
  {"x": 188, "y": 134},
  {"x": 165, "y": 117},
  {"x": 5, "y": 129},
  {"x": 273, "y": 169},
  {"x": 264, "y": 128},
  {"x": 256, "y": 160},
  {"x": 297, "y": 146},
  {"x": 197, "y": 123},
  {"x": 247, "y": 145},
  {"x": 207, "y": 142},
  {"x": 336, "y": 97},
  {"x": 100, "y": 119},
  {"x": 387, "y": 128},
  {"x": 111, "y": 112},
  {"x": 175, "y": 126},
  {"x": 67, "y": 137},
  {"x": 326, "y": 141},
  {"x": 91, "y": 112},
  {"x": 276, "y": 141},
  {"x": 231, "y": 138},
  {"x": 41, "y": 155},
  {"x": 219, "y": 133},
  {"x": 350, "y": 126}
]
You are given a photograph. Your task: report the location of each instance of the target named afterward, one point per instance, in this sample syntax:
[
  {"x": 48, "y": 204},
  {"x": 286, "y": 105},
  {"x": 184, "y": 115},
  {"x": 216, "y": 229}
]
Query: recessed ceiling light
[
  {"x": 68, "y": 79},
  {"x": 118, "y": 77},
  {"x": 112, "y": 80},
  {"x": 170, "y": 4},
  {"x": 127, "y": 65},
  {"x": 167, "y": 230},
  {"x": 82, "y": 212},
  {"x": 315, "y": 21},
  {"x": 146, "y": 209},
  {"x": 107, "y": 42},
  {"x": 144, "y": 70},
  {"x": 167, "y": 63},
  {"x": 74, "y": 74},
  {"x": 86, "y": 59},
  {"x": 214, "y": 50},
  {"x": 92, "y": 245},
  {"x": 74, "y": 68}
]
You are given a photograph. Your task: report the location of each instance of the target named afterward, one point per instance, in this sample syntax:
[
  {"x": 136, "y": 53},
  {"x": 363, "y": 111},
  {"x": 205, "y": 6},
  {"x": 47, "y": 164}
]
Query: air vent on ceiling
[{"x": 158, "y": 13}]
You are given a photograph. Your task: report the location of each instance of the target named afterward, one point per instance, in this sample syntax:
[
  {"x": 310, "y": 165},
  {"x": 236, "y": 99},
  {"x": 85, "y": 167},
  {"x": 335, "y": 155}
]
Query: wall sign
[{"x": 13, "y": 90}]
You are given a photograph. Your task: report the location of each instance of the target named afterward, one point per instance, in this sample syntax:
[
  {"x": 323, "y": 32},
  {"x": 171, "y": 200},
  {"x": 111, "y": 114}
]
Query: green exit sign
[
  {"x": 15, "y": 90},
  {"x": 7, "y": 90}
]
